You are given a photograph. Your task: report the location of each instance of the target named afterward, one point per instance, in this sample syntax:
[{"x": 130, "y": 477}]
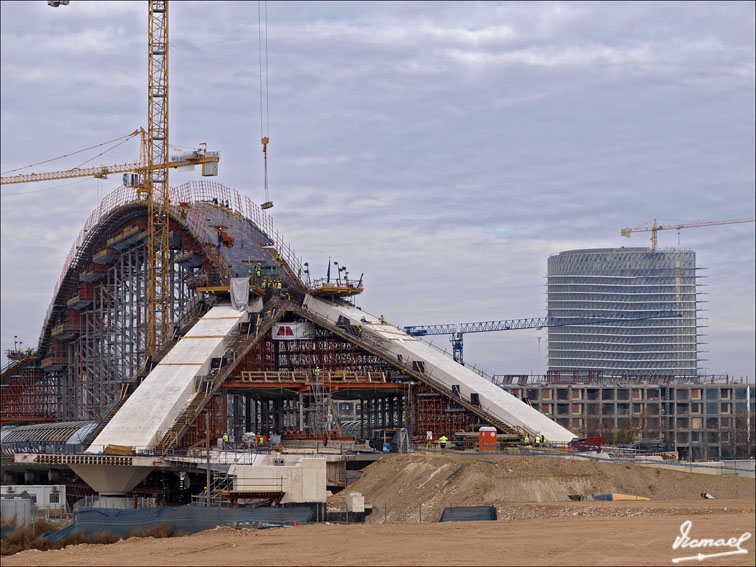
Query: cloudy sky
[{"x": 446, "y": 150}]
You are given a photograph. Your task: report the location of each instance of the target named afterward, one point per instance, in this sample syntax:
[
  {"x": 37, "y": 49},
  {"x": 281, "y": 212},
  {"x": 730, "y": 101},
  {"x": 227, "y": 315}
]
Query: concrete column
[
  {"x": 301, "y": 412},
  {"x": 362, "y": 419}
]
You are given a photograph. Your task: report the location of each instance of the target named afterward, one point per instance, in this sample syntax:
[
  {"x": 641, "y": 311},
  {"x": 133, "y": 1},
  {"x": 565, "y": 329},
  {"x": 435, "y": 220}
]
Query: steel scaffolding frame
[{"x": 111, "y": 346}]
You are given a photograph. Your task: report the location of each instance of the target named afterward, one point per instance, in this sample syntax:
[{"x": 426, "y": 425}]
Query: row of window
[{"x": 696, "y": 408}]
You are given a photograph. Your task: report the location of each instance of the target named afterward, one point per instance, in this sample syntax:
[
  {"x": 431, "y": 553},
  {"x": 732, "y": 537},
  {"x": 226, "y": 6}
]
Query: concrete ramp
[
  {"x": 444, "y": 370},
  {"x": 155, "y": 404}
]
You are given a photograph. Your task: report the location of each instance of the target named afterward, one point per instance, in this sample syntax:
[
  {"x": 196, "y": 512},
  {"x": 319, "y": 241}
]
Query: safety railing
[{"x": 187, "y": 193}]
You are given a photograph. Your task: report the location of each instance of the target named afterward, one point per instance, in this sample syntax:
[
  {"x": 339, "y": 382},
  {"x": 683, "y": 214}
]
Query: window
[
  {"x": 683, "y": 394},
  {"x": 725, "y": 393},
  {"x": 712, "y": 393},
  {"x": 636, "y": 408},
  {"x": 740, "y": 393},
  {"x": 607, "y": 394},
  {"x": 695, "y": 394},
  {"x": 712, "y": 408},
  {"x": 54, "y": 497},
  {"x": 696, "y": 423},
  {"x": 712, "y": 423},
  {"x": 577, "y": 394},
  {"x": 576, "y": 409},
  {"x": 696, "y": 407},
  {"x": 725, "y": 407}
]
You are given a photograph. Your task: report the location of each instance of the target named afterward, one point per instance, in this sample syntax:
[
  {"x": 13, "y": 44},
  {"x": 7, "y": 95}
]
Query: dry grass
[
  {"x": 30, "y": 537},
  {"x": 163, "y": 530}
]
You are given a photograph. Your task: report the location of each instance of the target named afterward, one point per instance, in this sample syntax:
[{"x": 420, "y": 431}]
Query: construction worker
[
  {"x": 316, "y": 372},
  {"x": 538, "y": 439},
  {"x": 225, "y": 440},
  {"x": 363, "y": 319},
  {"x": 279, "y": 258},
  {"x": 383, "y": 319},
  {"x": 527, "y": 439},
  {"x": 543, "y": 439},
  {"x": 442, "y": 441}
]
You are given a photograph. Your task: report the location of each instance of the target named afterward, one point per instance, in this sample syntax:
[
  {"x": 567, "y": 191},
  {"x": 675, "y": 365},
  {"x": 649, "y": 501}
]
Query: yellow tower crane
[
  {"x": 654, "y": 229},
  {"x": 153, "y": 168}
]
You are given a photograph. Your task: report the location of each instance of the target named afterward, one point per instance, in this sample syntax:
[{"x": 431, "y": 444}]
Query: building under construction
[
  {"x": 254, "y": 345},
  {"x": 634, "y": 281}
]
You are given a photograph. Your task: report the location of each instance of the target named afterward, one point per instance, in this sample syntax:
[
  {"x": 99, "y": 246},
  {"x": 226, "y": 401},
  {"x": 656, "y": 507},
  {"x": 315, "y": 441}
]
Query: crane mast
[{"x": 156, "y": 178}]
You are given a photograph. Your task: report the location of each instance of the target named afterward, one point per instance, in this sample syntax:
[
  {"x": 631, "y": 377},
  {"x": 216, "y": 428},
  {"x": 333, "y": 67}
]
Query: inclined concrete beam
[{"x": 445, "y": 370}]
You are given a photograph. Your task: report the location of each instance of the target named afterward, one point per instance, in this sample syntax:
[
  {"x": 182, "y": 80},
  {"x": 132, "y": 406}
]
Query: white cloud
[{"x": 445, "y": 149}]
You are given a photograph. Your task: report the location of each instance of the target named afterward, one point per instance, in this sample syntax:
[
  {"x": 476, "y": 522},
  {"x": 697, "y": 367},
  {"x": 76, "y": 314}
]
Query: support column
[
  {"x": 301, "y": 412},
  {"x": 248, "y": 413}
]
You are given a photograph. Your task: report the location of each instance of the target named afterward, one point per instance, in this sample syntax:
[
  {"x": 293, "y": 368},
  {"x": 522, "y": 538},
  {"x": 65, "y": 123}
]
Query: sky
[{"x": 443, "y": 150}]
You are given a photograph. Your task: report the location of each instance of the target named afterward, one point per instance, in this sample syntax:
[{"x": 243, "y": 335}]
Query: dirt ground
[
  {"x": 398, "y": 485},
  {"x": 538, "y": 524},
  {"x": 634, "y": 533}
]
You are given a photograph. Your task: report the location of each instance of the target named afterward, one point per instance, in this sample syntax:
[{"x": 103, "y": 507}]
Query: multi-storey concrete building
[
  {"x": 630, "y": 281},
  {"x": 701, "y": 419}
]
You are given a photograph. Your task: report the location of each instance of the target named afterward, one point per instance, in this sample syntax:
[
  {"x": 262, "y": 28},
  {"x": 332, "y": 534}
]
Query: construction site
[{"x": 191, "y": 371}]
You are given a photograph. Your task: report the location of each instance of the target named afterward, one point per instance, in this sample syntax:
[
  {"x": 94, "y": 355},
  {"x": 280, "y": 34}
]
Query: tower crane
[
  {"x": 654, "y": 229},
  {"x": 457, "y": 330},
  {"x": 152, "y": 173}
]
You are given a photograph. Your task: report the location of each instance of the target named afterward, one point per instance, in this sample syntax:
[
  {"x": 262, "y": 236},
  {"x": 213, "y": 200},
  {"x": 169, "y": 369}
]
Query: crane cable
[
  {"x": 264, "y": 122},
  {"x": 124, "y": 138}
]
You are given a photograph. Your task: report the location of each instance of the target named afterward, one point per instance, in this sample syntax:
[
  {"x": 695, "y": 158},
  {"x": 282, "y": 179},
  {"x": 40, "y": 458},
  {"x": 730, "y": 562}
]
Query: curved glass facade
[{"x": 632, "y": 281}]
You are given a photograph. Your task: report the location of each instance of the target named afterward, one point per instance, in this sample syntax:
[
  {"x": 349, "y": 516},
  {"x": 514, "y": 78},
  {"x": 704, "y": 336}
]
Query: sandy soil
[
  {"x": 398, "y": 484},
  {"x": 616, "y": 537}
]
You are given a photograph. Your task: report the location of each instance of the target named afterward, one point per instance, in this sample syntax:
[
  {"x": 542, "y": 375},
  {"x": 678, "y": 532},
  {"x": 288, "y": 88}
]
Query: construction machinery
[
  {"x": 457, "y": 330},
  {"x": 655, "y": 228},
  {"x": 133, "y": 173},
  {"x": 151, "y": 177}
]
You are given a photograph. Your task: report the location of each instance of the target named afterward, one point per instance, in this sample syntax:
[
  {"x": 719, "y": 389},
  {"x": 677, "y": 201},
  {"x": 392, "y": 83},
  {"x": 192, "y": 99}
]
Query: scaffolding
[{"x": 95, "y": 333}]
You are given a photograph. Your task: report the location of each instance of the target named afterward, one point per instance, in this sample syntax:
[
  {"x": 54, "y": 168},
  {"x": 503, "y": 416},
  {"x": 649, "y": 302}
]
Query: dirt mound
[{"x": 401, "y": 487}]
